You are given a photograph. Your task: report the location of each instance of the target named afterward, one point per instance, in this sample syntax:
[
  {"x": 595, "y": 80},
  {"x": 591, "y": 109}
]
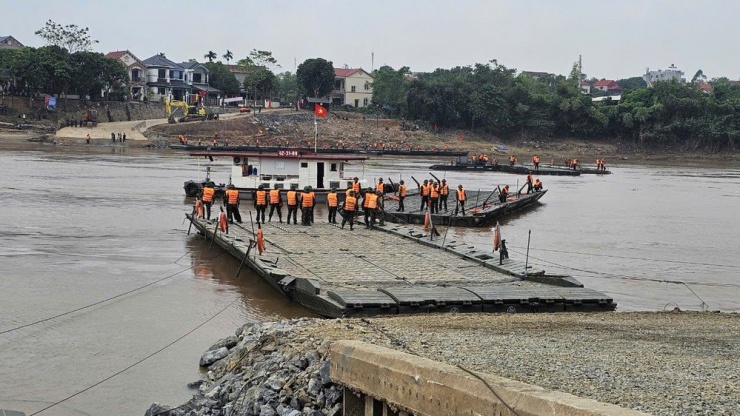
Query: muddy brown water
[{"x": 82, "y": 225}]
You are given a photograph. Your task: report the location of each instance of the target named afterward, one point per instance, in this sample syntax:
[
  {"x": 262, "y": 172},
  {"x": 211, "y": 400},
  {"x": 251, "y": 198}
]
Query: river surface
[{"x": 80, "y": 226}]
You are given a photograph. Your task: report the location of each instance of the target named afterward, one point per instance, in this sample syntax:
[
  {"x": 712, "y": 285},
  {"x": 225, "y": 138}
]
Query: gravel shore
[{"x": 668, "y": 363}]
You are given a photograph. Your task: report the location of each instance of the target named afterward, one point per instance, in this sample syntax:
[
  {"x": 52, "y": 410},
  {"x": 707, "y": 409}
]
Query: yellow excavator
[{"x": 181, "y": 111}]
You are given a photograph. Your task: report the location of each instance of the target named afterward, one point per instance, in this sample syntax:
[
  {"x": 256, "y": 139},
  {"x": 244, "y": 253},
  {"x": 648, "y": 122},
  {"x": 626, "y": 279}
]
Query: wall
[{"x": 358, "y": 81}]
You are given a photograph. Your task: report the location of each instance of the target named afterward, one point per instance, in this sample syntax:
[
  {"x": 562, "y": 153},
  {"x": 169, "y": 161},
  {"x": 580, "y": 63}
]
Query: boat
[
  {"x": 484, "y": 208},
  {"x": 286, "y": 169},
  {"x": 469, "y": 166},
  {"x": 374, "y": 152}
]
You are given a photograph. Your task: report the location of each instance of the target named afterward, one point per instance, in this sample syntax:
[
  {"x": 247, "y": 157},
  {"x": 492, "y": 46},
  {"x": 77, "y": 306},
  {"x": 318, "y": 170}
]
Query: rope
[
  {"x": 489, "y": 388},
  {"x": 106, "y": 299},
  {"x": 139, "y": 361}
]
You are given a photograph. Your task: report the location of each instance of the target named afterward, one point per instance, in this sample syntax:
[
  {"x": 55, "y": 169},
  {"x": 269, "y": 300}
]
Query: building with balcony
[
  {"x": 197, "y": 77},
  {"x": 352, "y": 87},
  {"x": 136, "y": 72},
  {"x": 651, "y": 77},
  {"x": 166, "y": 79}
]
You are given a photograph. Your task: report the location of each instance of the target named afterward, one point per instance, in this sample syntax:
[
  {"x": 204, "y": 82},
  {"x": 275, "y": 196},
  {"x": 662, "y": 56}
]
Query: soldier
[
  {"x": 292, "y": 197},
  {"x": 461, "y": 196},
  {"x": 424, "y": 191},
  {"x": 332, "y": 202},
  {"x": 444, "y": 192},
  {"x": 260, "y": 202},
  {"x": 434, "y": 198},
  {"x": 207, "y": 198},
  {"x": 350, "y": 207},
  {"x": 401, "y": 196},
  {"x": 232, "y": 201},
  {"x": 307, "y": 202},
  {"x": 276, "y": 203}
]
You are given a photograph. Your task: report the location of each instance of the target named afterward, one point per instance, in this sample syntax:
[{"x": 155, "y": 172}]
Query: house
[
  {"x": 197, "y": 77},
  {"x": 166, "y": 79},
  {"x": 705, "y": 87},
  {"x": 651, "y": 77},
  {"x": 537, "y": 75},
  {"x": 136, "y": 72},
  {"x": 240, "y": 74},
  {"x": 608, "y": 86},
  {"x": 585, "y": 87},
  {"x": 9, "y": 42},
  {"x": 352, "y": 86}
]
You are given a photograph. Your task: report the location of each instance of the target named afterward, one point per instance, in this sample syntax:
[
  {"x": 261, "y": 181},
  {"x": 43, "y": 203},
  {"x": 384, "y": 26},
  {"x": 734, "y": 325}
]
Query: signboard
[
  {"x": 289, "y": 153},
  {"x": 233, "y": 100},
  {"x": 51, "y": 103}
]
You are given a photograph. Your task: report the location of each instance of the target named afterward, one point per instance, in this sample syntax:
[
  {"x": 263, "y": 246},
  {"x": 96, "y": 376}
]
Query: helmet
[
  {"x": 333, "y": 188},
  {"x": 401, "y": 181},
  {"x": 351, "y": 193},
  {"x": 210, "y": 184},
  {"x": 261, "y": 187},
  {"x": 306, "y": 188},
  {"x": 380, "y": 179},
  {"x": 459, "y": 186},
  {"x": 426, "y": 181},
  {"x": 231, "y": 186},
  {"x": 370, "y": 189},
  {"x": 444, "y": 180}
]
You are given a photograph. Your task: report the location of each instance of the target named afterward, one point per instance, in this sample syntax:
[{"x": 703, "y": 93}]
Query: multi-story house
[
  {"x": 166, "y": 79},
  {"x": 197, "y": 77},
  {"x": 9, "y": 42},
  {"x": 352, "y": 87},
  {"x": 136, "y": 72},
  {"x": 609, "y": 86},
  {"x": 651, "y": 77}
]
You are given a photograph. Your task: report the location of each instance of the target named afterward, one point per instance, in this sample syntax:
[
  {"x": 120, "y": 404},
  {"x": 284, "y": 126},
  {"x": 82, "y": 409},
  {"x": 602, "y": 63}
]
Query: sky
[{"x": 616, "y": 39}]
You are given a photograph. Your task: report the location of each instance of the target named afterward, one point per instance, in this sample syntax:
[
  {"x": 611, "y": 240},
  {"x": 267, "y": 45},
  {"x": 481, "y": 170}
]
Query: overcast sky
[{"x": 617, "y": 39}]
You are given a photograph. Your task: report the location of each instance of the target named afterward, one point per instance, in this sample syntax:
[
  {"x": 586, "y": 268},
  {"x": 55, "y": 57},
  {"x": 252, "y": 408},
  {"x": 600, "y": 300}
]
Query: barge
[{"x": 270, "y": 149}]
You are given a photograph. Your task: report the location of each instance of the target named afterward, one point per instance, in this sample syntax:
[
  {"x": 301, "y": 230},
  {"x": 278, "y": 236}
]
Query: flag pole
[{"x": 315, "y": 133}]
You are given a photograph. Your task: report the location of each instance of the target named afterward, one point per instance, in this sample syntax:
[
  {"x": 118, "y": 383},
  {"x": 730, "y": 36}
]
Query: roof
[
  {"x": 584, "y": 83},
  {"x": 191, "y": 65},
  {"x": 288, "y": 154},
  {"x": 345, "y": 72},
  {"x": 604, "y": 83},
  {"x": 706, "y": 87},
  {"x": 6, "y": 42},
  {"x": 536, "y": 74},
  {"x": 160, "y": 61},
  {"x": 206, "y": 88}
]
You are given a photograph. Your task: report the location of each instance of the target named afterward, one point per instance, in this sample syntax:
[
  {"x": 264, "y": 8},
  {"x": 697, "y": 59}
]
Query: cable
[
  {"x": 732, "y": 266},
  {"x": 140, "y": 361},
  {"x": 104, "y": 300},
  {"x": 489, "y": 388}
]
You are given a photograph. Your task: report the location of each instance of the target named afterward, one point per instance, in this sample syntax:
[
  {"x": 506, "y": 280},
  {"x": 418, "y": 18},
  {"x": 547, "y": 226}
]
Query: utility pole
[{"x": 372, "y": 61}]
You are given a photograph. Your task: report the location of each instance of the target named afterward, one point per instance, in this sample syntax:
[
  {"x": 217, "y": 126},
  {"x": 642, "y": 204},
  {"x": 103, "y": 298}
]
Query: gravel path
[{"x": 660, "y": 363}]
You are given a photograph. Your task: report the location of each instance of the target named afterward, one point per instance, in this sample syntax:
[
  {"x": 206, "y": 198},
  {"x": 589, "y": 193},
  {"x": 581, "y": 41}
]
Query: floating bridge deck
[{"x": 396, "y": 269}]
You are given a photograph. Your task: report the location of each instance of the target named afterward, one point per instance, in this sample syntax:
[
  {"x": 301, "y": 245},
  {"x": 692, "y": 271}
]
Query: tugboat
[{"x": 288, "y": 169}]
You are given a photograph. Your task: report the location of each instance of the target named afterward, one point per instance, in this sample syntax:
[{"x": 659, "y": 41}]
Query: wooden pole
[{"x": 526, "y": 261}]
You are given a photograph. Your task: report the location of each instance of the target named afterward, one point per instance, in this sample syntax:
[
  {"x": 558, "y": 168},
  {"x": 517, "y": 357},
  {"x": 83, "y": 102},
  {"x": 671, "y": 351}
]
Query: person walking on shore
[{"x": 536, "y": 162}]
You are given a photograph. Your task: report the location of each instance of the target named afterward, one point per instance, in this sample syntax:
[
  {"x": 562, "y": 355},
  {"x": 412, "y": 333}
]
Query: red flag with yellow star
[{"x": 320, "y": 111}]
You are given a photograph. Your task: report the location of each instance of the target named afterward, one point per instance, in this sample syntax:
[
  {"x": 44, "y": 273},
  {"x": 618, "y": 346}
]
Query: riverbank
[{"x": 661, "y": 363}]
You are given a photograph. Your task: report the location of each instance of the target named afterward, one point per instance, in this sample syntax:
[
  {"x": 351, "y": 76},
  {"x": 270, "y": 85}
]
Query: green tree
[
  {"x": 220, "y": 77},
  {"x": 287, "y": 87},
  {"x": 632, "y": 83},
  {"x": 390, "y": 89},
  {"x": 259, "y": 81},
  {"x": 315, "y": 77},
  {"x": 210, "y": 56},
  {"x": 70, "y": 37},
  {"x": 228, "y": 56},
  {"x": 259, "y": 58}
]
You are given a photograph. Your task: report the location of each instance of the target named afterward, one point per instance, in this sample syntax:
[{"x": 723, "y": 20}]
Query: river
[{"x": 81, "y": 226}]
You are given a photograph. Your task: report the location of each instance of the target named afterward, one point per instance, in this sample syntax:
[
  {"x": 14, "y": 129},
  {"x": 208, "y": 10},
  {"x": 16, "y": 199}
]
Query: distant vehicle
[
  {"x": 181, "y": 111},
  {"x": 244, "y": 109}
]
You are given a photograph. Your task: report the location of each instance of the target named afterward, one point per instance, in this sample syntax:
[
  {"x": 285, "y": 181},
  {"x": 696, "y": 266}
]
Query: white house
[
  {"x": 166, "y": 79},
  {"x": 196, "y": 75},
  {"x": 651, "y": 77},
  {"x": 136, "y": 72},
  {"x": 352, "y": 87}
]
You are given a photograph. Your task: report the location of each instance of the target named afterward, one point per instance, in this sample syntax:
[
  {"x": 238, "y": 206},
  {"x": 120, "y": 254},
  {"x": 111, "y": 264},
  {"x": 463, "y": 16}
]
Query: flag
[
  {"x": 320, "y": 111},
  {"x": 496, "y": 237}
]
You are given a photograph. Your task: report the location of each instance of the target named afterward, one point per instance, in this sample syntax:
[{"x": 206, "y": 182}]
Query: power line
[
  {"x": 104, "y": 300},
  {"x": 140, "y": 361}
]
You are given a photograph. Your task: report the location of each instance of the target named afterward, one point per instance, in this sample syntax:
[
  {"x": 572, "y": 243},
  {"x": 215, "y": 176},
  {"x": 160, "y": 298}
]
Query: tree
[
  {"x": 222, "y": 78},
  {"x": 70, "y": 37},
  {"x": 632, "y": 83},
  {"x": 699, "y": 77},
  {"x": 260, "y": 81},
  {"x": 287, "y": 87},
  {"x": 259, "y": 58},
  {"x": 390, "y": 89},
  {"x": 210, "y": 56},
  {"x": 315, "y": 77},
  {"x": 228, "y": 56}
]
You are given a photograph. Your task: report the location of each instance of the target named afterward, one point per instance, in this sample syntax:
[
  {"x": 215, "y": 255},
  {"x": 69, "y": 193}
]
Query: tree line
[{"x": 493, "y": 98}]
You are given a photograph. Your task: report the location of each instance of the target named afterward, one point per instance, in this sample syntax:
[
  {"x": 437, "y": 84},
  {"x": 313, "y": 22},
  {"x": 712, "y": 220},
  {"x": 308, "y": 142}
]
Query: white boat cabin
[{"x": 289, "y": 169}]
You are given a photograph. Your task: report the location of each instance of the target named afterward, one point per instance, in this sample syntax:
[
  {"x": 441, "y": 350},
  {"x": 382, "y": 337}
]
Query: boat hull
[{"x": 272, "y": 149}]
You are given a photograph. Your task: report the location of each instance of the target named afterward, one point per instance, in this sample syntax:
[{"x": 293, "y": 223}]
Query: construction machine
[{"x": 181, "y": 111}]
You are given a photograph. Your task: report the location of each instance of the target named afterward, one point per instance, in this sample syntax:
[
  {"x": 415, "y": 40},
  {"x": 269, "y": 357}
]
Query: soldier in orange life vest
[
  {"x": 512, "y": 160},
  {"x": 424, "y": 190},
  {"x": 504, "y": 194},
  {"x": 444, "y": 192},
  {"x": 276, "y": 203},
  {"x": 260, "y": 202},
  {"x": 434, "y": 198},
  {"x": 356, "y": 187},
  {"x": 207, "y": 198},
  {"x": 350, "y": 207},
  {"x": 529, "y": 183},
  {"x": 370, "y": 205},
  {"x": 307, "y": 202},
  {"x": 332, "y": 202},
  {"x": 461, "y": 197},
  {"x": 292, "y": 196},
  {"x": 380, "y": 187},
  {"x": 401, "y": 196},
  {"x": 232, "y": 207},
  {"x": 537, "y": 185},
  {"x": 536, "y": 161}
]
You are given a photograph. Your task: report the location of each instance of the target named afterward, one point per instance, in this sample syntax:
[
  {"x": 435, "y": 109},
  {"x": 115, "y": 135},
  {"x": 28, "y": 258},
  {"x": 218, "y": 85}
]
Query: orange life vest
[
  {"x": 261, "y": 197},
  {"x": 292, "y": 201},
  {"x": 402, "y": 190},
  {"x": 536, "y": 159},
  {"x": 424, "y": 190},
  {"x": 331, "y": 198},
  {"x": 274, "y": 196},
  {"x": 537, "y": 183},
  {"x": 504, "y": 192},
  {"x": 371, "y": 201},
  {"x": 380, "y": 187},
  {"x": 307, "y": 199},
  {"x": 435, "y": 192},
  {"x": 461, "y": 195},
  {"x": 222, "y": 222},
  {"x": 356, "y": 188},
  {"x": 444, "y": 190},
  {"x": 350, "y": 203},
  {"x": 208, "y": 194},
  {"x": 512, "y": 159},
  {"x": 233, "y": 196}
]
